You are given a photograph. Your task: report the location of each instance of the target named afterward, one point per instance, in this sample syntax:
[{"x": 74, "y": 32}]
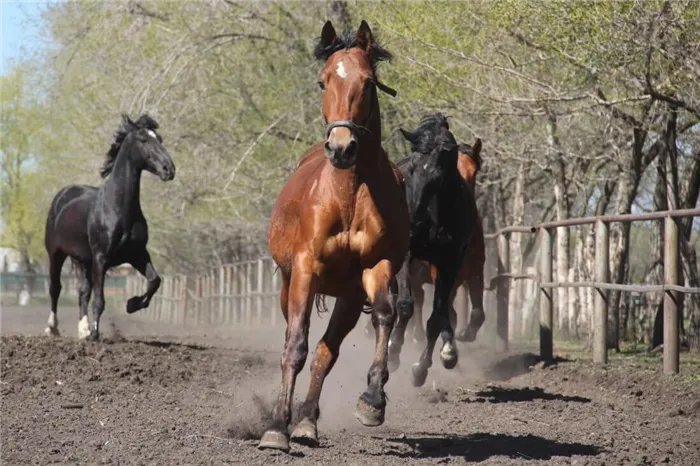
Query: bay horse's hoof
[
  {"x": 134, "y": 304},
  {"x": 52, "y": 332},
  {"x": 368, "y": 415},
  {"x": 467, "y": 335},
  {"x": 274, "y": 440},
  {"x": 420, "y": 374},
  {"x": 448, "y": 355},
  {"x": 305, "y": 433}
]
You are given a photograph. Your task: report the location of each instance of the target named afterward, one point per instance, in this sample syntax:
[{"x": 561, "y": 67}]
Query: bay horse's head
[
  {"x": 469, "y": 162},
  {"x": 433, "y": 160},
  {"x": 349, "y": 83},
  {"x": 144, "y": 148}
]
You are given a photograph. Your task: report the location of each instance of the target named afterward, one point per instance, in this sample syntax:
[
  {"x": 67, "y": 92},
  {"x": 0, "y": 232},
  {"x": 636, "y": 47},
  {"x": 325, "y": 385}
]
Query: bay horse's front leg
[
  {"x": 438, "y": 323},
  {"x": 296, "y": 347},
  {"x": 404, "y": 307},
  {"x": 477, "y": 317},
  {"x": 142, "y": 263},
  {"x": 343, "y": 319},
  {"x": 377, "y": 284}
]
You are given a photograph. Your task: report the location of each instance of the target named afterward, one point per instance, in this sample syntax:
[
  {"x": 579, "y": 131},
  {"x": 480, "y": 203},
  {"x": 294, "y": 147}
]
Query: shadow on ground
[
  {"x": 510, "y": 395},
  {"x": 516, "y": 365},
  {"x": 482, "y": 446}
]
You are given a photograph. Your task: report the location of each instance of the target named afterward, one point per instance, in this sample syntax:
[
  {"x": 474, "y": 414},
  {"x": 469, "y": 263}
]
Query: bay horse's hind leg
[
  {"x": 417, "y": 320},
  {"x": 343, "y": 319},
  {"x": 372, "y": 403},
  {"x": 56, "y": 260},
  {"x": 296, "y": 348},
  {"x": 142, "y": 263},
  {"x": 477, "y": 317},
  {"x": 84, "y": 293}
]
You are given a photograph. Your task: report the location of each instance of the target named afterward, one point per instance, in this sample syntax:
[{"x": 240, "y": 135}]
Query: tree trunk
[{"x": 515, "y": 296}]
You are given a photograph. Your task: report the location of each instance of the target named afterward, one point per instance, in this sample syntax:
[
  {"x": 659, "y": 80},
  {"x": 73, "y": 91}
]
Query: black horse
[
  {"x": 439, "y": 204},
  {"x": 99, "y": 228}
]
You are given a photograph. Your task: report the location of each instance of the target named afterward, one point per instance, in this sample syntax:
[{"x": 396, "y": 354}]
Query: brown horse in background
[
  {"x": 470, "y": 279},
  {"x": 339, "y": 227}
]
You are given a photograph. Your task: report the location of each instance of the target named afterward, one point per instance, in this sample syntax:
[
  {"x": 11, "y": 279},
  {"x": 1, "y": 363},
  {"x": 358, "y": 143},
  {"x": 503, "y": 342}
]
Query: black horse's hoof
[
  {"x": 394, "y": 363},
  {"x": 94, "y": 336},
  {"x": 134, "y": 304},
  {"x": 448, "y": 355},
  {"x": 468, "y": 335},
  {"x": 419, "y": 373}
]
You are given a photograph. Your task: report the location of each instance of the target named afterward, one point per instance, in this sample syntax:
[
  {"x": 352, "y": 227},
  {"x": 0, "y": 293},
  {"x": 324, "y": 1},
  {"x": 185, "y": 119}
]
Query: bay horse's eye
[{"x": 321, "y": 85}]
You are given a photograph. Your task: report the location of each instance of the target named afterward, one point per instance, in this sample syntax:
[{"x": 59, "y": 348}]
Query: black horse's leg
[
  {"x": 143, "y": 264},
  {"x": 404, "y": 307},
  {"x": 56, "y": 261},
  {"x": 99, "y": 268},
  {"x": 438, "y": 323},
  {"x": 84, "y": 293}
]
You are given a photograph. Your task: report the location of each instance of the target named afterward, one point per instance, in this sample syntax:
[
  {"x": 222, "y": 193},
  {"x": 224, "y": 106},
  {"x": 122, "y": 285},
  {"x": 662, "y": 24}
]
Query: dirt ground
[{"x": 156, "y": 394}]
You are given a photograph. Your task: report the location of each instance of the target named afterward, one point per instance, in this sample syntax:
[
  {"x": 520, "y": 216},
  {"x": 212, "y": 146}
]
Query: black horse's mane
[
  {"x": 348, "y": 40},
  {"x": 429, "y": 134},
  {"x": 467, "y": 149},
  {"x": 144, "y": 122}
]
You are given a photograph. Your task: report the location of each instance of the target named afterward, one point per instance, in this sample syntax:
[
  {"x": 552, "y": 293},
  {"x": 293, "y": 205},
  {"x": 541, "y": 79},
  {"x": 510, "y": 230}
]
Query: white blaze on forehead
[
  {"x": 151, "y": 133},
  {"x": 340, "y": 70}
]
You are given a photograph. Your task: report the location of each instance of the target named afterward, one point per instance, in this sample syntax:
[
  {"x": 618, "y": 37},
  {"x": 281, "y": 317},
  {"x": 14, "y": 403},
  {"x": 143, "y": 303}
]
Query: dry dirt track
[{"x": 200, "y": 396}]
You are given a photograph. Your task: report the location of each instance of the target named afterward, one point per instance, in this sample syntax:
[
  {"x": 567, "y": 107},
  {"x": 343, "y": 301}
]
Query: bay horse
[
  {"x": 339, "y": 227},
  {"x": 470, "y": 278},
  {"x": 103, "y": 227},
  {"x": 441, "y": 210}
]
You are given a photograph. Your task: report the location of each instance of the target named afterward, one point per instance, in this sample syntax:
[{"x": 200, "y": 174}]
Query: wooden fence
[
  {"x": 247, "y": 293},
  {"x": 602, "y": 285}
]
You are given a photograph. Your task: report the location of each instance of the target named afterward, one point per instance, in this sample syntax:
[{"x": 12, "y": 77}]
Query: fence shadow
[
  {"x": 482, "y": 446},
  {"x": 516, "y": 395}
]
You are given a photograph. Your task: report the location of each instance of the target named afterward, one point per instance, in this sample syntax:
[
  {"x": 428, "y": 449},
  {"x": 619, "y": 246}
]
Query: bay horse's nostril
[
  {"x": 351, "y": 148},
  {"x": 327, "y": 148}
]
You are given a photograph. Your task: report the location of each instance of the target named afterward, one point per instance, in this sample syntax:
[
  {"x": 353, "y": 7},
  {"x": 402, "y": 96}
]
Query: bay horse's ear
[
  {"x": 364, "y": 37},
  {"x": 476, "y": 148},
  {"x": 328, "y": 34}
]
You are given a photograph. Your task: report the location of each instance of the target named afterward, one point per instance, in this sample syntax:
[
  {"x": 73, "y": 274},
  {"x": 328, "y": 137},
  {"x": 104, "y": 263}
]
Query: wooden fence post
[
  {"x": 503, "y": 321},
  {"x": 222, "y": 294},
  {"x": 260, "y": 288},
  {"x": 546, "y": 302},
  {"x": 602, "y": 274},
  {"x": 248, "y": 290},
  {"x": 275, "y": 288},
  {"x": 671, "y": 266}
]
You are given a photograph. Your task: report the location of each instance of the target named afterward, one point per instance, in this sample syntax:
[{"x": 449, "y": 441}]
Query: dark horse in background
[
  {"x": 439, "y": 206},
  {"x": 339, "y": 227},
  {"x": 99, "y": 228},
  {"x": 470, "y": 278}
]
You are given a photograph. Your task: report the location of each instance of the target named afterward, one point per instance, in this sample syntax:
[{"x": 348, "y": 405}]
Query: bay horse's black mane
[
  {"x": 467, "y": 149},
  {"x": 144, "y": 122},
  {"x": 348, "y": 40}
]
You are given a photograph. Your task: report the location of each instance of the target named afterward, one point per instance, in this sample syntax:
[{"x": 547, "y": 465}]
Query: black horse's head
[
  {"x": 145, "y": 148},
  {"x": 433, "y": 159}
]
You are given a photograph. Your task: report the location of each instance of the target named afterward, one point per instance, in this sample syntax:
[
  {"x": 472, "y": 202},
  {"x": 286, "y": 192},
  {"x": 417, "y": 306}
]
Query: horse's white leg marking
[
  {"x": 52, "y": 329},
  {"x": 83, "y": 328}
]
